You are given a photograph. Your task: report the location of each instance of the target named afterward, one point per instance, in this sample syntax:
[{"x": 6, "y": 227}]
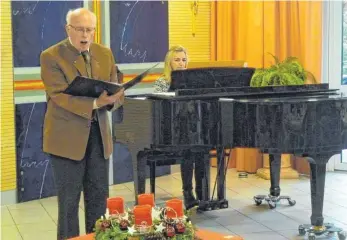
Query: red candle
[
  {"x": 174, "y": 208},
  {"x": 115, "y": 205},
  {"x": 143, "y": 214},
  {"x": 146, "y": 199}
]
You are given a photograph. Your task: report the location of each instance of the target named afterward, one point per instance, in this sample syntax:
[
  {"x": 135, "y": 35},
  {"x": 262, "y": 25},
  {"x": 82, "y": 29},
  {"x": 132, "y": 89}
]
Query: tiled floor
[{"x": 37, "y": 219}]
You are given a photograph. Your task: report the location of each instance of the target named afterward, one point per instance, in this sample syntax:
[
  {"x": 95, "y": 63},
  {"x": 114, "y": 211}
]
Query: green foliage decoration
[{"x": 288, "y": 72}]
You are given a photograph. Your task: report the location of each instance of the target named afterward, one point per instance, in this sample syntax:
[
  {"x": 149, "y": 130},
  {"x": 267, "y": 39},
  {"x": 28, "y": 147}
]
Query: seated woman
[{"x": 175, "y": 59}]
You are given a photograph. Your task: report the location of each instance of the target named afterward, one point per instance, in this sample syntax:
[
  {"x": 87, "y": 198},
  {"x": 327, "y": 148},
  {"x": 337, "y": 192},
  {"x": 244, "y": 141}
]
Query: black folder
[{"x": 88, "y": 87}]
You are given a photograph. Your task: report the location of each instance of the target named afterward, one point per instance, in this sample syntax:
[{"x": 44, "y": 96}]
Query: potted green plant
[{"x": 288, "y": 72}]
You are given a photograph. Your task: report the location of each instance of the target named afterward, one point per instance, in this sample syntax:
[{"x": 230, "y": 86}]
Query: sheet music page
[{"x": 168, "y": 94}]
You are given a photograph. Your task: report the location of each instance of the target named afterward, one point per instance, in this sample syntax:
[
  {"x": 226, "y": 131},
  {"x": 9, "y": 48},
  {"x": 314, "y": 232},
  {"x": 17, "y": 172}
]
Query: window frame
[{"x": 332, "y": 21}]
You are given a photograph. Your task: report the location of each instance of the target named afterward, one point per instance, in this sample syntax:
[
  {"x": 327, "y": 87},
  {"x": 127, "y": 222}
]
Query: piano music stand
[{"x": 209, "y": 64}]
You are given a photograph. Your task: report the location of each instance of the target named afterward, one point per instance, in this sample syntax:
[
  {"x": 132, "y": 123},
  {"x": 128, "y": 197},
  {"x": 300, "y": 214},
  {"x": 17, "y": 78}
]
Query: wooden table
[{"x": 203, "y": 234}]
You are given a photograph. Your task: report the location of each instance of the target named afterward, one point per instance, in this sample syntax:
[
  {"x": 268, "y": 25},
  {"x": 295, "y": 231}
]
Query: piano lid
[
  {"x": 317, "y": 90},
  {"x": 257, "y": 90},
  {"x": 295, "y": 99},
  {"x": 214, "y": 77}
]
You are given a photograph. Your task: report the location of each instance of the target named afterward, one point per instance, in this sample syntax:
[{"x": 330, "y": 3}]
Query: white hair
[{"x": 78, "y": 11}]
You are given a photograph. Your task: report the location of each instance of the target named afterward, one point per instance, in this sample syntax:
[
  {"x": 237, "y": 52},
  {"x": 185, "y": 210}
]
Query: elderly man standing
[{"x": 76, "y": 129}]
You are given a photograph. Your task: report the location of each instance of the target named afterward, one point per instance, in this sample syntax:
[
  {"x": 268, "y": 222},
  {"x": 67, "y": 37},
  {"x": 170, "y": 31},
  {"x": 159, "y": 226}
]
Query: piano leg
[
  {"x": 317, "y": 226},
  {"x": 275, "y": 174},
  {"x": 221, "y": 189},
  {"x": 317, "y": 193},
  {"x": 139, "y": 173},
  {"x": 206, "y": 178},
  {"x": 152, "y": 176},
  {"x": 222, "y": 202}
]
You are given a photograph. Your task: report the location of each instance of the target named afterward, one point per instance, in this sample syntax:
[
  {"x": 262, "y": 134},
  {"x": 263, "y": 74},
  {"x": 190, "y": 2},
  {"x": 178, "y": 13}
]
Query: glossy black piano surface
[
  {"x": 299, "y": 125},
  {"x": 208, "y": 110},
  {"x": 169, "y": 123},
  {"x": 214, "y": 77},
  {"x": 185, "y": 123}
]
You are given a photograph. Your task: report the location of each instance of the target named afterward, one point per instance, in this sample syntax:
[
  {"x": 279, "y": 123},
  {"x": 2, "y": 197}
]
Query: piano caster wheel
[
  {"x": 258, "y": 199},
  {"x": 302, "y": 231},
  {"x": 311, "y": 236},
  {"x": 272, "y": 204},
  {"x": 342, "y": 235},
  {"x": 291, "y": 202},
  {"x": 225, "y": 205},
  {"x": 258, "y": 202}
]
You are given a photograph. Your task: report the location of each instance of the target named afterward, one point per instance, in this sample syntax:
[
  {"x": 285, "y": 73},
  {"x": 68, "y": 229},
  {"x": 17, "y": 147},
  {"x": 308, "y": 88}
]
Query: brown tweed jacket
[{"x": 67, "y": 119}]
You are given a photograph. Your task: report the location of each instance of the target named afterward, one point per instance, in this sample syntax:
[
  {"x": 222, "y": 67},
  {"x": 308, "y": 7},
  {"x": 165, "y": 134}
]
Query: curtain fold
[{"x": 252, "y": 30}]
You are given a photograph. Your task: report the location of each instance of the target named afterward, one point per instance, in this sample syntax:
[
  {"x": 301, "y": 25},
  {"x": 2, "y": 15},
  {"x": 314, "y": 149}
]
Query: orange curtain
[{"x": 249, "y": 30}]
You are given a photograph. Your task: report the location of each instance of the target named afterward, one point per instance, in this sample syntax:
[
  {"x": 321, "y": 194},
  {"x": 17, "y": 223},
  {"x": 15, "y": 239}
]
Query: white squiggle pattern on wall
[
  {"x": 37, "y": 164},
  {"x": 26, "y": 134},
  {"x": 25, "y": 11},
  {"x": 43, "y": 24},
  {"x": 33, "y": 164},
  {"x": 124, "y": 45}
]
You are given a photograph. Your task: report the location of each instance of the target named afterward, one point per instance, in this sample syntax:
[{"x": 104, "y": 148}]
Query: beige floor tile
[
  {"x": 10, "y": 233},
  {"x": 32, "y": 228},
  {"x": 49, "y": 200},
  {"x": 127, "y": 196},
  {"x": 6, "y": 218},
  {"x": 43, "y": 235},
  {"x": 118, "y": 187},
  {"x": 52, "y": 211},
  {"x": 81, "y": 214},
  {"x": 25, "y": 205},
  {"x": 30, "y": 215}
]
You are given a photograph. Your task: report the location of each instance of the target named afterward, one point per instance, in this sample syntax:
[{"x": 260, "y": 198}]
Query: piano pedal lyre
[{"x": 212, "y": 205}]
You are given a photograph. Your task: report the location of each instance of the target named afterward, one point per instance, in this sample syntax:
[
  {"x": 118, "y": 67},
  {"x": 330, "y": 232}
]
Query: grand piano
[{"x": 216, "y": 108}]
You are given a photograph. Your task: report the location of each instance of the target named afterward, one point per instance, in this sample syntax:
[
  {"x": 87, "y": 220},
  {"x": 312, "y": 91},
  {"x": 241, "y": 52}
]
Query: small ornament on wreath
[
  {"x": 105, "y": 224},
  {"x": 170, "y": 231},
  {"x": 179, "y": 227},
  {"x": 123, "y": 224}
]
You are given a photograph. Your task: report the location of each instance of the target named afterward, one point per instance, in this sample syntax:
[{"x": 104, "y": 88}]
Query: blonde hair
[{"x": 168, "y": 58}]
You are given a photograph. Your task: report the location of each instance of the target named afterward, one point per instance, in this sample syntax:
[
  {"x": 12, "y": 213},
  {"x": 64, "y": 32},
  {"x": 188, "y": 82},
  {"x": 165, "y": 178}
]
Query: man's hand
[{"x": 117, "y": 98}]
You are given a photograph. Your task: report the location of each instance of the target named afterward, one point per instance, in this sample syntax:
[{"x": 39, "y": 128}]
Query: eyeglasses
[{"x": 81, "y": 30}]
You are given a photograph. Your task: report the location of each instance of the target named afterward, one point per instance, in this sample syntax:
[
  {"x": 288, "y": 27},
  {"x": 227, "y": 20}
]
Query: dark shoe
[
  {"x": 198, "y": 193},
  {"x": 189, "y": 200}
]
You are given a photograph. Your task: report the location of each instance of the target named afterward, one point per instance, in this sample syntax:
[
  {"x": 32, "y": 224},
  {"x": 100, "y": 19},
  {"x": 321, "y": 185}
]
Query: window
[
  {"x": 344, "y": 44},
  {"x": 344, "y": 61}
]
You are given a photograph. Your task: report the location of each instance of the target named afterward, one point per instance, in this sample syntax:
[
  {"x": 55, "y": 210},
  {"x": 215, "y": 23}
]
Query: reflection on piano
[
  {"x": 215, "y": 108},
  {"x": 159, "y": 128},
  {"x": 310, "y": 126}
]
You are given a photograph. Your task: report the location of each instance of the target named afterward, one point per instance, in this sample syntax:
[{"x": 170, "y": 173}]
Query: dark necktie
[{"x": 86, "y": 58}]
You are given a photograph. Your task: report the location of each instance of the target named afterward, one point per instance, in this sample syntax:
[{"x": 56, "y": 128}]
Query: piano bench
[{"x": 155, "y": 158}]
